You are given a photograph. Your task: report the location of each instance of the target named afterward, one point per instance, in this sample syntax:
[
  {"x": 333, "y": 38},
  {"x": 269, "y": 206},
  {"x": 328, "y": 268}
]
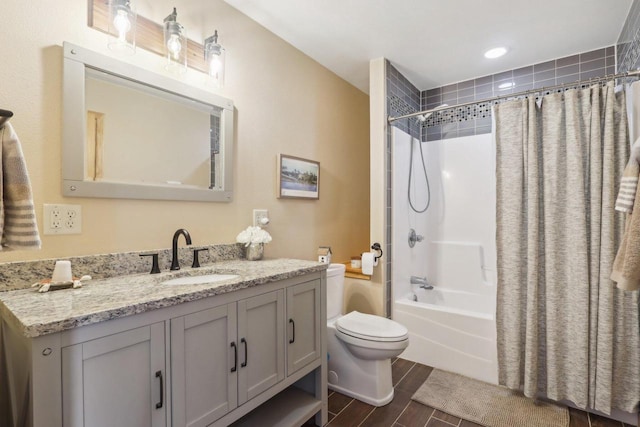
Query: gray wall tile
[
  {"x": 569, "y": 60},
  {"x": 544, "y": 66},
  {"x": 523, "y": 71},
  {"x": 584, "y": 65}
]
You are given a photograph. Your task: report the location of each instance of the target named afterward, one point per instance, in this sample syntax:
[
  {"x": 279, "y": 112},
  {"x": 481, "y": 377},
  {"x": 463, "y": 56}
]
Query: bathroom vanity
[{"x": 135, "y": 351}]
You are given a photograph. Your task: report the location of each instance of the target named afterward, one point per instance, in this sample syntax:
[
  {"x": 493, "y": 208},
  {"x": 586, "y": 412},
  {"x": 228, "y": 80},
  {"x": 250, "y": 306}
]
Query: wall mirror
[{"x": 131, "y": 133}]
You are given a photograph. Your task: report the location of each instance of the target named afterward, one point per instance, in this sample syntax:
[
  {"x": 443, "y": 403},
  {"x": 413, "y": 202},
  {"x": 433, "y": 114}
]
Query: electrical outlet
[
  {"x": 62, "y": 219},
  {"x": 260, "y": 218}
]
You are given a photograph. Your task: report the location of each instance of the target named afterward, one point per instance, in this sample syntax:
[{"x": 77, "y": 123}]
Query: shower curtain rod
[{"x": 634, "y": 73}]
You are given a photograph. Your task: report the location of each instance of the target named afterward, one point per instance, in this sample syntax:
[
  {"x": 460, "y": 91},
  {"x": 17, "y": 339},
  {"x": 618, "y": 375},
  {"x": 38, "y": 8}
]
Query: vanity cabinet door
[
  {"x": 303, "y": 319},
  {"x": 204, "y": 365},
  {"x": 260, "y": 344},
  {"x": 118, "y": 380}
]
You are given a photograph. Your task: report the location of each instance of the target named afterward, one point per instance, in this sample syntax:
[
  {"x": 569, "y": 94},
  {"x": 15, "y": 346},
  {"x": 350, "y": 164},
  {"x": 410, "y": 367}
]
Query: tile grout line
[
  {"x": 345, "y": 407},
  {"x": 401, "y": 412},
  {"x": 446, "y": 422},
  {"x": 368, "y": 415},
  {"x": 407, "y": 373}
]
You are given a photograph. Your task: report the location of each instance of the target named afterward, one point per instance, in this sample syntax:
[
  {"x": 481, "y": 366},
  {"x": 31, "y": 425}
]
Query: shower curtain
[{"x": 564, "y": 330}]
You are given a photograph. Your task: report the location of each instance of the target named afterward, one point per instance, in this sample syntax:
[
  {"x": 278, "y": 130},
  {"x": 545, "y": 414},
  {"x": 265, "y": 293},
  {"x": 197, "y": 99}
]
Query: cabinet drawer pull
[
  {"x": 161, "y": 403},
  {"x": 243, "y": 341},
  {"x": 235, "y": 357},
  {"x": 293, "y": 324}
]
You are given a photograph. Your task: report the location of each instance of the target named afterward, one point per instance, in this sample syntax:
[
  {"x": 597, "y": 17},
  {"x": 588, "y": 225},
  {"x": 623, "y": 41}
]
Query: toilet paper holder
[{"x": 376, "y": 247}]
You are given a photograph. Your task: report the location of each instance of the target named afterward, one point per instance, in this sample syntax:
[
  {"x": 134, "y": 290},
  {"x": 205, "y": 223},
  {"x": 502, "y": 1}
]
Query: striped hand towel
[
  {"x": 629, "y": 182},
  {"x": 18, "y": 227}
]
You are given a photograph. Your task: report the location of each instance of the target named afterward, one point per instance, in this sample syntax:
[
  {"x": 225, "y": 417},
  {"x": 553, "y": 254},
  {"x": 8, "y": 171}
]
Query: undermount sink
[{"x": 200, "y": 280}]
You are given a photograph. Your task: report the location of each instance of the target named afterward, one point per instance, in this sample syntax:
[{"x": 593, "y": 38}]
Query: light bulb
[
  {"x": 122, "y": 24},
  {"x": 174, "y": 46},
  {"x": 215, "y": 66}
]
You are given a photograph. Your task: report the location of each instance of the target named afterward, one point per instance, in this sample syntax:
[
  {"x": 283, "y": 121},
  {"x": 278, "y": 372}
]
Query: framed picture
[{"x": 298, "y": 178}]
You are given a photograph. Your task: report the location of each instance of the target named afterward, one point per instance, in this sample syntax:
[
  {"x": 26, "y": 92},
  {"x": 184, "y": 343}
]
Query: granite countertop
[{"x": 39, "y": 314}]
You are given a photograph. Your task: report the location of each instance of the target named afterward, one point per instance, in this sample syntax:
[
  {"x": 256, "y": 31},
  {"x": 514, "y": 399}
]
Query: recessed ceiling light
[
  {"x": 496, "y": 52},
  {"x": 506, "y": 85}
]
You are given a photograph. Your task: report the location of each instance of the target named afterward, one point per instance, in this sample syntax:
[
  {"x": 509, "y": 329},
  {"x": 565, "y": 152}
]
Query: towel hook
[{"x": 5, "y": 115}]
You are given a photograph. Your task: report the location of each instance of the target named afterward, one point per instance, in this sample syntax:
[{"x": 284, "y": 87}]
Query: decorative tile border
[{"x": 475, "y": 119}]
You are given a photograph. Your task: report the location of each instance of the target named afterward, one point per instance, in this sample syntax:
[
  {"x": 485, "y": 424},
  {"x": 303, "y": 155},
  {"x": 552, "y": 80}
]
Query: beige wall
[{"x": 286, "y": 103}]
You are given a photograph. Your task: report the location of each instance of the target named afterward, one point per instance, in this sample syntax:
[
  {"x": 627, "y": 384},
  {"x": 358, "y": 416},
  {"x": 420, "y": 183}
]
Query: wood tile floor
[{"x": 404, "y": 412}]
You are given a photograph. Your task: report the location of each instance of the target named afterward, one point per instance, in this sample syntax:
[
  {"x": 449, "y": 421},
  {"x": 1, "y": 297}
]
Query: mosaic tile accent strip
[
  {"x": 628, "y": 45},
  {"x": 475, "y": 119},
  {"x": 402, "y": 98}
]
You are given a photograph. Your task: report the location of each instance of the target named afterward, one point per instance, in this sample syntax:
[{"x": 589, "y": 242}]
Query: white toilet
[{"x": 360, "y": 347}]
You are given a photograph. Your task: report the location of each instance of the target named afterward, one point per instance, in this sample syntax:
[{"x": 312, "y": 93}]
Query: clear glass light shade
[
  {"x": 122, "y": 26},
  {"x": 175, "y": 45},
  {"x": 214, "y": 55}
]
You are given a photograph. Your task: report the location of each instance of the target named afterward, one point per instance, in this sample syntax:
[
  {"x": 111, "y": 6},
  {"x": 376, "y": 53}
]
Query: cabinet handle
[
  {"x": 293, "y": 324},
  {"x": 161, "y": 403},
  {"x": 235, "y": 357},
  {"x": 243, "y": 341}
]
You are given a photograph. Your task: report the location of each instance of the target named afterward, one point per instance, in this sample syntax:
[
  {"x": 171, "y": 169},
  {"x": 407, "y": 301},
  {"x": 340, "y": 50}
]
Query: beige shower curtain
[{"x": 564, "y": 330}]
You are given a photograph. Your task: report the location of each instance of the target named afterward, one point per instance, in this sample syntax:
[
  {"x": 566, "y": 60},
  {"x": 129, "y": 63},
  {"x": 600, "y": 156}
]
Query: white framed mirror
[{"x": 130, "y": 133}]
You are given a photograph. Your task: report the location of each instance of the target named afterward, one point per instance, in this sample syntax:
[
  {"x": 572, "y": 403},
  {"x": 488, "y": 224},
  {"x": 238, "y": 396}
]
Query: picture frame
[{"x": 298, "y": 178}]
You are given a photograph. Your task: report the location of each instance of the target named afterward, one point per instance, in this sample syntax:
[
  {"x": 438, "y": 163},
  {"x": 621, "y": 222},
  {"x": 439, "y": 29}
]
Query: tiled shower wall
[
  {"x": 476, "y": 119},
  {"x": 405, "y": 98},
  {"x": 402, "y": 98},
  {"x": 628, "y": 46}
]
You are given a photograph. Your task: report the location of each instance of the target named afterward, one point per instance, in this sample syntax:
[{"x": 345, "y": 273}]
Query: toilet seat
[{"x": 371, "y": 328}]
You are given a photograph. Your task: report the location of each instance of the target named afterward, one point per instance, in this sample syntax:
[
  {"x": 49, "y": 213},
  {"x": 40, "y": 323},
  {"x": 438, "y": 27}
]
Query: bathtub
[{"x": 450, "y": 330}]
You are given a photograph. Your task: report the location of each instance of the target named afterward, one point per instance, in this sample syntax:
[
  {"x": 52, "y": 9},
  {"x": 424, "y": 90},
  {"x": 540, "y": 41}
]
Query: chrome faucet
[
  {"x": 175, "y": 265},
  {"x": 422, "y": 281}
]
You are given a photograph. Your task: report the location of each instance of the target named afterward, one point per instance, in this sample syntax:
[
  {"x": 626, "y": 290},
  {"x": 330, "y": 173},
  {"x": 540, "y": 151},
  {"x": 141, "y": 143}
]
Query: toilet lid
[{"x": 370, "y": 327}]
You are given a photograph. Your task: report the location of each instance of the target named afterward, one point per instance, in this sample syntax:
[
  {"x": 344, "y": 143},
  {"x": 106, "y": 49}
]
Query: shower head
[{"x": 423, "y": 117}]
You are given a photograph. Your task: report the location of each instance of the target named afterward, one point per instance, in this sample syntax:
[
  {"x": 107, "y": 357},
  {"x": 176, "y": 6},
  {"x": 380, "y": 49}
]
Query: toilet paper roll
[{"x": 368, "y": 262}]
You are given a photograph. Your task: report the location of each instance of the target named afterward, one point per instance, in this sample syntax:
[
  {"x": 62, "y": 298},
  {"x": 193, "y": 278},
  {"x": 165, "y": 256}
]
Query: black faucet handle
[
  {"x": 155, "y": 269},
  {"x": 196, "y": 261}
]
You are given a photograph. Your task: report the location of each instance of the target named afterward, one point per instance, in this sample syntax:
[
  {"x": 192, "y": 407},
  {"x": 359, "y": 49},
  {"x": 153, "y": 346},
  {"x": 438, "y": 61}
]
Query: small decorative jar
[
  {"x": 254, "y": 251},
  {"x": 356, "y": 262}
]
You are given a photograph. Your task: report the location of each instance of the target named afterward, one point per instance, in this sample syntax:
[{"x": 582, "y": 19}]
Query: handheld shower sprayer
[{"x": 423, "y": 117}]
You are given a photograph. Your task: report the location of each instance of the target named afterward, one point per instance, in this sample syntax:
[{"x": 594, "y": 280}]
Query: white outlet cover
[
  {"x": 62, "y": 219},
  {"x": 258, "y": 214}
]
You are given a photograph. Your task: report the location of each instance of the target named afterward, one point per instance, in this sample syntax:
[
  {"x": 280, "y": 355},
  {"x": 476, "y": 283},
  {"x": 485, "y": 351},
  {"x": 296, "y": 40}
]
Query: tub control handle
[{"x": 413, "y": 238}]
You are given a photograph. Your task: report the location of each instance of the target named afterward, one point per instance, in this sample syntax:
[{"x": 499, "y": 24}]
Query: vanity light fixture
[
  {"x": 496, "y": 52},
  {"x": 122, "y": 26},
  {"x": 175, "y": 44},
  {"x": 214, "y": 55}
]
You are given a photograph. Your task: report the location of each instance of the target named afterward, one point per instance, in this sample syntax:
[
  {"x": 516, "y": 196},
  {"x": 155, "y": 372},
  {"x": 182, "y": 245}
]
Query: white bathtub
[{"x": 450, "y": 330}]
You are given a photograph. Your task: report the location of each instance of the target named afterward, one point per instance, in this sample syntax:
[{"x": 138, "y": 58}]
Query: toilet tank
[{"x": 335, "y": 289}]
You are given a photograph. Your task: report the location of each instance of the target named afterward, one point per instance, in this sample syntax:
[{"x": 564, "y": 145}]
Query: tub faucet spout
[{"x": 422, "y": 281}]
